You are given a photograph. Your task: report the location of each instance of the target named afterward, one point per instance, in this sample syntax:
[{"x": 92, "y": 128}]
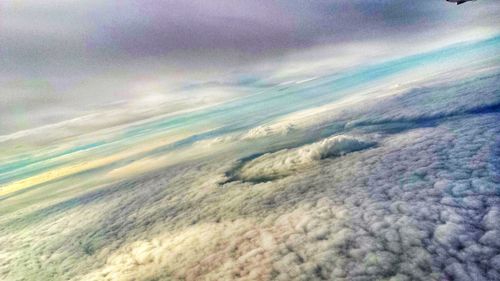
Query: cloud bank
[{"x": 421, "y": 204}]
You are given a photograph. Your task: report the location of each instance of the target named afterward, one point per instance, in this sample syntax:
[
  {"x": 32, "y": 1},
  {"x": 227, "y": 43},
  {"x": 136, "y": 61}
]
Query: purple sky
[{"x": 87, "y": 52}]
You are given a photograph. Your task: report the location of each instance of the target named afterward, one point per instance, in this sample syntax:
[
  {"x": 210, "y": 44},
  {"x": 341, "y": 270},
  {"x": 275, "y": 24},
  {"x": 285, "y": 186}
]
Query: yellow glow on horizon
[{"x": 85, "y": 165}]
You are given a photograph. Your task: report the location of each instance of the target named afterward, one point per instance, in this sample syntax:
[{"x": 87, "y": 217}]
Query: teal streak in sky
[
  {"x": 278, "y": 101},
  {"x": 253, "y": 110}
]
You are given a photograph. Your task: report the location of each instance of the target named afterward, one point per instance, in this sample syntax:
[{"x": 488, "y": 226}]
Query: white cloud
[{"x": 285, "y": 162}]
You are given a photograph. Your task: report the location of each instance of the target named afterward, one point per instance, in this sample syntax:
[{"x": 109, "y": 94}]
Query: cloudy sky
[
  {"x": 249, "y": 140},
  {"x": 62, "y": 59}
]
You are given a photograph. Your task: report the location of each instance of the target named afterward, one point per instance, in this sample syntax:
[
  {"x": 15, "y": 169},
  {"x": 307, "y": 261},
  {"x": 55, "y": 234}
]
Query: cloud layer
[
  {"x": 249, "y": 140},
  {"x": 421, "y": 204}
]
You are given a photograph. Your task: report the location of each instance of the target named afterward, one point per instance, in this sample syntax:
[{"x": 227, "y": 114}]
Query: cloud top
[{"x": 285, "y": 162}]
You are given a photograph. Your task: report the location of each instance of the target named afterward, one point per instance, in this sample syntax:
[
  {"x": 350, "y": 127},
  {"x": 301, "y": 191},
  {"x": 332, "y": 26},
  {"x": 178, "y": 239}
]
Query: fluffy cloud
[{"x": 285, "y": 162}]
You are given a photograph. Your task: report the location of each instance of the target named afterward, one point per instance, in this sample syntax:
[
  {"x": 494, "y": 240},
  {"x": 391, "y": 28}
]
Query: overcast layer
[{"x": 63, "y": 59}]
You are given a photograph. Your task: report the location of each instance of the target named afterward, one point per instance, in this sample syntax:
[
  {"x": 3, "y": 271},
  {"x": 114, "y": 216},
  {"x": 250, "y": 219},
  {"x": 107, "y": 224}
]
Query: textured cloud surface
[
  {"x": 382, "y": 170},
  {"x": 286, "y": 162}
]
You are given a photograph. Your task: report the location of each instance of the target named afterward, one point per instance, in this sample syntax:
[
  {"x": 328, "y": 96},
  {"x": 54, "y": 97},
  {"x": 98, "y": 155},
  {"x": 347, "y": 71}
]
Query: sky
[{"x": 65, "y": 59}]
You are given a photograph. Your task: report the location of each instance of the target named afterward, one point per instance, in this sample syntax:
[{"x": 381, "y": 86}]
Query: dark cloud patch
[
  {"x": 159, "y": 28},
  {"x": 92, "y": 34},
  {"x": 242, "y": 31},
  {"x": 361, "y": 20}
]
